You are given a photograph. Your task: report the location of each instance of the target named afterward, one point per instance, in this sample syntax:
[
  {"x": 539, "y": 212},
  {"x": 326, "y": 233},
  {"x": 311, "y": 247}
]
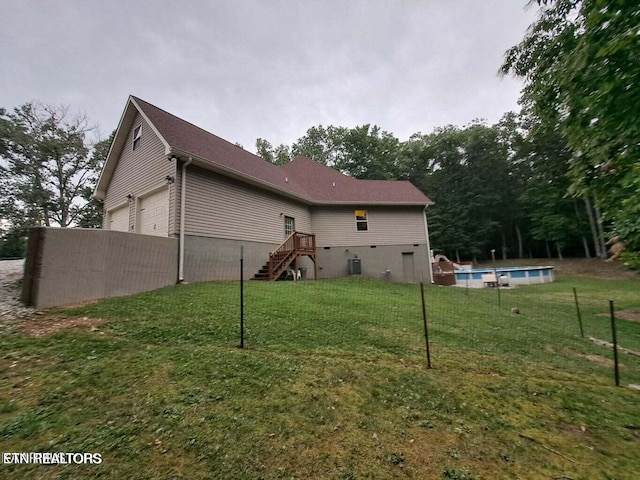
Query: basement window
[
  {"x": 362, "y": 224},
  {"x": 137, "y": 136}
]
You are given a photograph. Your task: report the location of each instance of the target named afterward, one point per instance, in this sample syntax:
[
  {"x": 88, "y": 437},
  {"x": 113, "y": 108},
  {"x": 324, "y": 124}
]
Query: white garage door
[
  {"x": 154, "y": 214},
  {"x": 119, "y": 219}
]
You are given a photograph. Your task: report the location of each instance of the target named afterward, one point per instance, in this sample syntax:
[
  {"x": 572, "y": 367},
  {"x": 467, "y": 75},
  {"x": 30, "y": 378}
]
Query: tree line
[
  {"x": 501, "y": 186},
  {"x": 557, "y": 178},
  {"x": 560, "y": 176}
]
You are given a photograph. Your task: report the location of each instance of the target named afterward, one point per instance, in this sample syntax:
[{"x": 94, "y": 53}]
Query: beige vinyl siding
[
  {"x": 141, "y": 171},
  {"x": 224, "y": 208},
  {"x": 386, "y": 226}
]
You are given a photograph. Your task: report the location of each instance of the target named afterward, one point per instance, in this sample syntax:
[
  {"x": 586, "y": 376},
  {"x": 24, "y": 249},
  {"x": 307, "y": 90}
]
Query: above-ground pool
[{"x": 514, "y": 276}]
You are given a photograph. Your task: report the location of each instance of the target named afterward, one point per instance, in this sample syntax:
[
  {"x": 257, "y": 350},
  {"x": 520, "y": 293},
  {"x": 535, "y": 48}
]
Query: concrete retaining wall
[{"x": 66, "y": 266}]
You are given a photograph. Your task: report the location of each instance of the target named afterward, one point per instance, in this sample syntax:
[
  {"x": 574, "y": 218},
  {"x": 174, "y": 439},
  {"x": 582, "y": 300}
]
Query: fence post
[
  {"x": 424, "y": 320},
  {"x": 575, "y": 296},
  {"x": 615, "y": 343},
  {"x": 241, "y": 296},
  {"x": 495, "y": 274}
]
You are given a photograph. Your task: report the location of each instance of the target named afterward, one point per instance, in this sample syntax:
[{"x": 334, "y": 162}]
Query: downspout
[
  {"x": 426, "y": 231},
  {"x": 183, "y": 199}
]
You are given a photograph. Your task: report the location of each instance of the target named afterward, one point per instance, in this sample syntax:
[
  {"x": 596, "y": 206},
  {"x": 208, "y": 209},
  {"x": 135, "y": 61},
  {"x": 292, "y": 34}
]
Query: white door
[
  {"x": 289, "y": 226},
  {"x": 154, "y": 214},
  {"x": 119, "y": 219}
]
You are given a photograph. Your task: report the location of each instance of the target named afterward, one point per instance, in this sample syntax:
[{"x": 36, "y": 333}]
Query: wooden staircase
[{"x": 295, "y": 246}]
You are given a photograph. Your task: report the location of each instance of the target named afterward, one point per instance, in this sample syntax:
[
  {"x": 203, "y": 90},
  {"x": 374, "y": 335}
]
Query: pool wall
[{"x": 515, "y": 276}]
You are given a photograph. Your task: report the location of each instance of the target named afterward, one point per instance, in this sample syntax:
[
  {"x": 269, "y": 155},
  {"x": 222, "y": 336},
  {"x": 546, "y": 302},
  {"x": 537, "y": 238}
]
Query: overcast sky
[{"x": 244, "y": 69}]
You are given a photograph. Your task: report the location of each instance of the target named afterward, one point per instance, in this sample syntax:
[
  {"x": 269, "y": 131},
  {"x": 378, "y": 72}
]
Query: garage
[
  {"x": 154, "y": 213},
  {"x": 119, "y": 219}
]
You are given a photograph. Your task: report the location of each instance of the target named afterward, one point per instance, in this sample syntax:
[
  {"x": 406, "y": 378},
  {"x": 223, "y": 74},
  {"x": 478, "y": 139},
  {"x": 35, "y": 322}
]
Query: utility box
[{"x": 355, "y": 266}]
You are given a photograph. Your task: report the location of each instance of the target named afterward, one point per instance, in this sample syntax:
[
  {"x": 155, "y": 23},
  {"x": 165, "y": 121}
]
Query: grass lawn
[{"x": 331, "y": 384}]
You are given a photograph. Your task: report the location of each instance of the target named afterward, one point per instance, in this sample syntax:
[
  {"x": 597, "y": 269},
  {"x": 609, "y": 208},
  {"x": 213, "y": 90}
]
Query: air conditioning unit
[{"x": 355, "y": 266}]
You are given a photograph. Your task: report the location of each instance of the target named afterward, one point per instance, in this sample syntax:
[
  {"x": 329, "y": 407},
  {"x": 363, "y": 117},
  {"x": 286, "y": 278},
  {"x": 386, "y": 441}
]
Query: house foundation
[{"x": 397, "y": 263}]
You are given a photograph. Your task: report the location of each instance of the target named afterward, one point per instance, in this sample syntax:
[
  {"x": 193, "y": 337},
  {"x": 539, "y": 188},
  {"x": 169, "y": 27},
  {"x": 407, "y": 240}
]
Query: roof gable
[{"x": 120, "y": 139}]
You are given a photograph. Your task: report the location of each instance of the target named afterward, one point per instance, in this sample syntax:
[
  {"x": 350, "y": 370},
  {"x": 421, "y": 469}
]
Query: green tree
[
  {"x": 13, "y": 244},
  {"x": 46, "y": 165},
  {"x": 554, "y": 217},
  {"x": 511, "y": 136},
  {"x": 434, "y": 163},
  {"x": 322, "y": 144},
  {"x": 91, "y": 216},
  {"x": 278, "y": 155},
  {"x": 369, "y": 153},
  {"x": 465, "y": 171},
  {"x": 364, "y": 152},
  {"x": 488, "y": 173},
  {"x": 581, "y": 64}
]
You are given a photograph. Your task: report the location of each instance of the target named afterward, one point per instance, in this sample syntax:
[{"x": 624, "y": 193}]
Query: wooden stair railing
[{"x": 295, "y": 245}]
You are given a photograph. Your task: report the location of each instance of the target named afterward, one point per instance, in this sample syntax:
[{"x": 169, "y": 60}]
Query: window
[
  {"x": 137, "y": 136},
  {"x": 362, "y": 224},
  {"x": 289, "y": 226}
]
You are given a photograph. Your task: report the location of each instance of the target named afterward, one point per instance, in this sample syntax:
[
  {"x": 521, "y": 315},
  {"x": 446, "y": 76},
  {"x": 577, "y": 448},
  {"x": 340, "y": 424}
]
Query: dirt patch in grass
[
  {"x": 595, "y": 268},
  {"x": 607, "y": 362},
  {"x": 631, "y": 315},
  {"x": 48, "y": 324},
  {"x": 599, "y": 360},
  {"x": 568, "y": 428}
]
